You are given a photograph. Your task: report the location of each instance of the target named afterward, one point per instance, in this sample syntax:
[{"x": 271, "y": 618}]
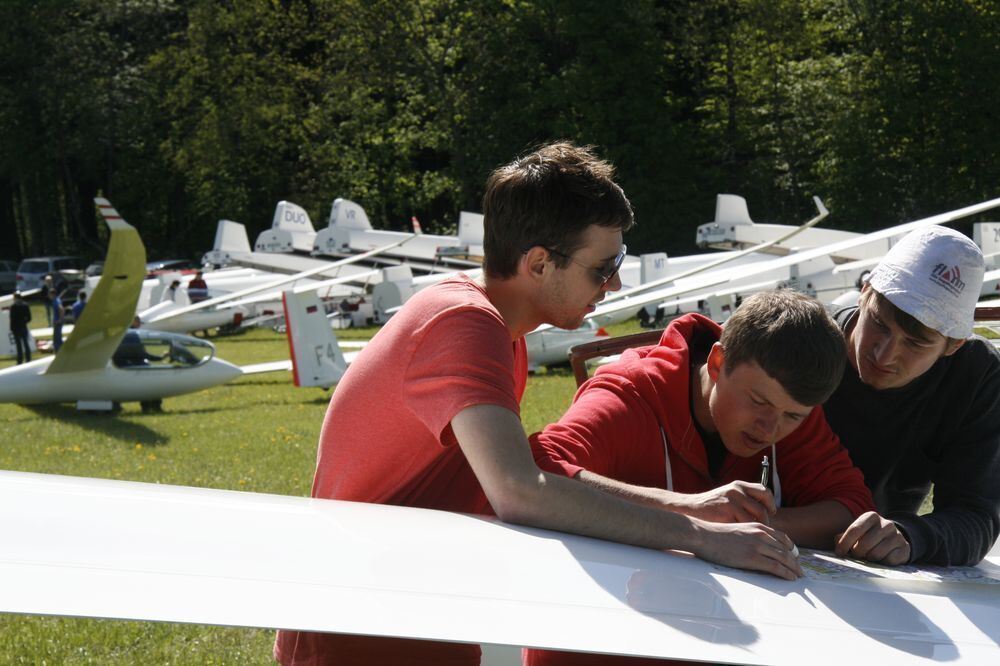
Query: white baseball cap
[{"x": 934, "y": 274}]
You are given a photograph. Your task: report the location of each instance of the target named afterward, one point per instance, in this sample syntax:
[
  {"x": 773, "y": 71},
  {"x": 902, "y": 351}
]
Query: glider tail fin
[
  {"x": 348, "y": 215},
  {"x": 291, "y": 217},
  {"x": 731, "y": 209},
  {"x": 291, "y": 230},
  {"x": 230, "y": 237},
  {"x": 316, "y": 356}
]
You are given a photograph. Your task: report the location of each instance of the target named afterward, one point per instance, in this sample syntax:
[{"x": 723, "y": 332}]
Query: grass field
[{"x": 256, "y": 434}]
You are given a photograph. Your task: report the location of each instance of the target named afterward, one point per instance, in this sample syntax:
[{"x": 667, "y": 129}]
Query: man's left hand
[{"x": 871, "y": 537}]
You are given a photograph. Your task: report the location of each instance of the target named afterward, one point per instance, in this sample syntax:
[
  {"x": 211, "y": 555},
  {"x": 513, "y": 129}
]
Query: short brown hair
[
  {"x": 548, "y": 197},
  {"x": 792, "y": 338},
  {"x": 910, "y": 324}
]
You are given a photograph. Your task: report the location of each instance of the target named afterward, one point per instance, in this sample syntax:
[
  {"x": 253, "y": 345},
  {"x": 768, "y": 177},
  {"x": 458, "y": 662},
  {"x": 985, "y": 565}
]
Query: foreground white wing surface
[{"x": 88, "y": 547}]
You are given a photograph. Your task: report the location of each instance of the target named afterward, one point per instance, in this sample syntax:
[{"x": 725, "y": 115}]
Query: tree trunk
[{"x": 10, "y": 243}]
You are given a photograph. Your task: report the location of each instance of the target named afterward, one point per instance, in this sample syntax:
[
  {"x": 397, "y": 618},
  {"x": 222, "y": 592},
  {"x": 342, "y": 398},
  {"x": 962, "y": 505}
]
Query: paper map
[{"x": 822, "y": 565}]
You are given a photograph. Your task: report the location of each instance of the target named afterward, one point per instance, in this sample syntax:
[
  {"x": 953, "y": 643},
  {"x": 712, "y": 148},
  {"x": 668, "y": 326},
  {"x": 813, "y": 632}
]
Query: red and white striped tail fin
[
  {"x": 108, "y": 212},
  {"x": 316, "y": 356}
]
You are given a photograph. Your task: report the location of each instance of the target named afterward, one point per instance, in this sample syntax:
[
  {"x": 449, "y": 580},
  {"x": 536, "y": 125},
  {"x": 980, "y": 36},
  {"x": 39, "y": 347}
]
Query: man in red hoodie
[{"x": 685, "y": 425}]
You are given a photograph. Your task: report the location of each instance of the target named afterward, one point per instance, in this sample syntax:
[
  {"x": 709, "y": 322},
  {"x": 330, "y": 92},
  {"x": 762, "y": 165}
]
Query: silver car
[{"x": 32, "y": 272}]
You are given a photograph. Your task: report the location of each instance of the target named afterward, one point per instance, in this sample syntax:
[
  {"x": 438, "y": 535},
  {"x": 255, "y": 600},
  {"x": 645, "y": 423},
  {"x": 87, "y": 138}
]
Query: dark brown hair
[
  {"x": 907, "y": 322},
  {"x": 548, "y": 197},
  {"x": 792, "y": 338}
]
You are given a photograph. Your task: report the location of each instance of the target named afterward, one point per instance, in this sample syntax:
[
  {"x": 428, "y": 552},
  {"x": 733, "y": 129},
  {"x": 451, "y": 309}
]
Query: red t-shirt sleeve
[
  {"x": 814, "y": 467},
  {"x": 463, "y": 358},
  {"x": 607, "y": 430}
]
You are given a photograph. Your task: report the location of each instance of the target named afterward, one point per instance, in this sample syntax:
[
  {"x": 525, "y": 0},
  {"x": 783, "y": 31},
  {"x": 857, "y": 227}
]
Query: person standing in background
[
  {"x": 79, "y": 305},
  {"x": 58, "y": 316},
  {"x": 20, "y": 315},
  {"x": 48, "y": 286}
]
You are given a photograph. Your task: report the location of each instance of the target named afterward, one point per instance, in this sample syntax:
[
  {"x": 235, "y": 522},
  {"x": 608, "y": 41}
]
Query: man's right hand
[
  {"x": 874, "y": 538},
  {"x": 748, "y": 546},
  {"x": 735, "y": 502}
]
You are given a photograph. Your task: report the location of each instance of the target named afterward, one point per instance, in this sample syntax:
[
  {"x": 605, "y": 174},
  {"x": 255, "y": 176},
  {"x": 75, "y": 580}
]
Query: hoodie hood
[{"x": 662, "y": 376}]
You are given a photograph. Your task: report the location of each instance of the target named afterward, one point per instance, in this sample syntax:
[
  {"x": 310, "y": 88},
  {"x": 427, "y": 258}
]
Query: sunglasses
[{"x": 606, "y": 272}]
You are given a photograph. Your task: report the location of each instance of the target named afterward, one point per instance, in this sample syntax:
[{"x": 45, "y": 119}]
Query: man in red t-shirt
[
  {"x": 428, "y": 414},
  {"x": 685, "y": 425}
]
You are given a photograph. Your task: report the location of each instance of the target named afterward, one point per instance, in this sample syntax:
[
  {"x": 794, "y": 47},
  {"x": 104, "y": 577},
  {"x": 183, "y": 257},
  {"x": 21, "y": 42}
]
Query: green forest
[{"x": 184, "y": 112}]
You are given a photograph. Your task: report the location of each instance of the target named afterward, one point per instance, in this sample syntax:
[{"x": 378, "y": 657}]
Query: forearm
[
  {"x": 656, "y": 498},
  {"x": 566, "y": 504},
  {"x": 735, "y": 502},
  {"x": 521, "y": 493},
  {"x": 965, "y": 520},
  {"x": 555, "y": 502},
  {"x": 951, "y": 536},
  {"x": 814, "y": 525}
]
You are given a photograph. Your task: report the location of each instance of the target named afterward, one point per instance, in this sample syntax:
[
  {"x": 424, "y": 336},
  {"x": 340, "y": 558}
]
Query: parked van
[{"x": 32, "y": 272}]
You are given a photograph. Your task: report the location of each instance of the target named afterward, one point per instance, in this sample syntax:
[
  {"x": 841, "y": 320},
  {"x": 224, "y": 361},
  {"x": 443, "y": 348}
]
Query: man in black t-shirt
[
  {"x": 20, "y": 316},
  {"x": 919, "y": 406}
]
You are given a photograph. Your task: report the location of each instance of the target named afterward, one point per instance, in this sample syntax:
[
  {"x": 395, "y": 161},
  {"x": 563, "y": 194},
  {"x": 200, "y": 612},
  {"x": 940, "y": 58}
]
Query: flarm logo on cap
[{"x": 949, "y": 277}]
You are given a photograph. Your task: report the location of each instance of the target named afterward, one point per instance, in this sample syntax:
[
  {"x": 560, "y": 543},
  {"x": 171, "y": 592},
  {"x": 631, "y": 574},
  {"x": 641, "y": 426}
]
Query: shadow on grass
[
  {"x": 245, "y": 381},
  {"x": 169, "y": 411},
  {"x": 106, "y": 424},
  {"x": 309, "y": 394},
  {"x": 244, "y": 405},
  {"x": 322, "y": 399}
]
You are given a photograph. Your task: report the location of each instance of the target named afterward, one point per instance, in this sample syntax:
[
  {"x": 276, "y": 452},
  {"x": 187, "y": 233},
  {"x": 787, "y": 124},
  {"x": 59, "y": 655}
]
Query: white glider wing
[
  {"x": 278, "y": 282},
  {"x": 708, "y": 282},
  {"x": 727, "y": 258},
  {"x": 111, "y": 307},
  {"x": 113, "y": 549}
]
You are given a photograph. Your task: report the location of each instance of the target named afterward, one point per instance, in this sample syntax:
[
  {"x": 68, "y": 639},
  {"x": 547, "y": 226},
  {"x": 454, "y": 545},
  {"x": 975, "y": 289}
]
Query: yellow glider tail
[{"x": 111, "y": 307}]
